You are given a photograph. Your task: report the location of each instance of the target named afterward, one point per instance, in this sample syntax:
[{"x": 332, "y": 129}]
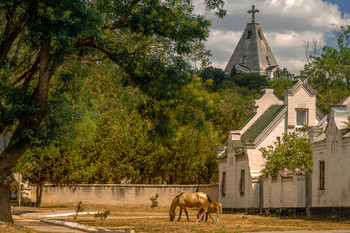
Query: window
[
  {"x": 301, "y": 117},
  {"x": 223, "y": 184},
  {"x": 242, "y": 182},
  {"x": 260, "y": 35},
  {"x": 244, "y": 59},
  {"x": 322, "y": 175},
  {"x": 279, "y": 141},
  {"x": 268, "y": 61},
  {"x": 249, "y": 34}
]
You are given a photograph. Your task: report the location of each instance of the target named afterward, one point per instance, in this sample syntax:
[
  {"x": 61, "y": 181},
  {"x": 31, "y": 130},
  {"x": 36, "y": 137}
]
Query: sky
[{"x": 286, "y": 24}]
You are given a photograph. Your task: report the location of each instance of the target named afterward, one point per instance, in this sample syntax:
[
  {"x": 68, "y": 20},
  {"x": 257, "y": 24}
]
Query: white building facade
[{"x": 241, "y": 162}]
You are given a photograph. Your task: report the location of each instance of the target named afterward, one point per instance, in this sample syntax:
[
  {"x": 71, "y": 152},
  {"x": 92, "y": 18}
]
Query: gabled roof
[
  {"x": 246, "y": 122},
  {"x": 222, "y": 155},
  {"x": 262, "y": 122},
  {"x": 271, "y": 67},
  {"x": 340, "y": 115},
  {"x": 298, "y": 83}
]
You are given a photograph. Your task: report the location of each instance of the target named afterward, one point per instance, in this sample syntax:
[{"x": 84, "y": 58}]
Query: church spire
[
  {"x": 253, "y": 11},
  {"x": 252, "y": 53}
]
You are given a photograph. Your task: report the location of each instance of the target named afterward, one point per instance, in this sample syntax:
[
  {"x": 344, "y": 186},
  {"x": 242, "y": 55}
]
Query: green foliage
[
  {"x": 284, "y": 73},
  {"x": 328, "y": 72},
  {"x": 294, "y": 152},
  {"x": 154, "y": 201},
  {"x": 137, "y": 42},
  {"x": 233, "y": 107},
  {"x": 215, "y": 74},
  {"x": 251, "y": 81},
  {"x": 279, "y": 85}
]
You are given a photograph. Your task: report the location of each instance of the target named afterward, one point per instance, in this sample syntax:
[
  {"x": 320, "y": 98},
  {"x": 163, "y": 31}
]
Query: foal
[{"x": 211, "y": 207}]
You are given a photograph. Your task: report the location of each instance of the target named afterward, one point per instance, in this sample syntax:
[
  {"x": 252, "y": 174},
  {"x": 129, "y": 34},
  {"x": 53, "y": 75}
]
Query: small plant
[
  {"x": 154, "y": 201},
  {"x": 102, "y": 215},
  {"x": 78, "y": 208}
]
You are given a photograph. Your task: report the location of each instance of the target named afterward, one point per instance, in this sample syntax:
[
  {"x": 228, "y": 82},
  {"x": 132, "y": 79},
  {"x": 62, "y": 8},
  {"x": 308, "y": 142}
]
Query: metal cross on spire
[{"x": 253, "y": 11}]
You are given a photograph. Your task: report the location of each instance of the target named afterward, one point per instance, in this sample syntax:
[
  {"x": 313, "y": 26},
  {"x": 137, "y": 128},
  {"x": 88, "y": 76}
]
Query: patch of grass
[{"x": 11, "y": 228}]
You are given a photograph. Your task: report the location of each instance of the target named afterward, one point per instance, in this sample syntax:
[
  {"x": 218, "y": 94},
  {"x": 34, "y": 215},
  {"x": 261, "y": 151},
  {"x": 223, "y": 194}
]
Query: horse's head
[{"x": 172, "y": 215}]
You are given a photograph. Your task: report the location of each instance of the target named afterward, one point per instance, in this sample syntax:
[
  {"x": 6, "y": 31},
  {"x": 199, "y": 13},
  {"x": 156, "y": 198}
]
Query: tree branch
[
  {"x": 29, "y": 73},
  {"x": 121, "y": 22},
  {"x": 10, "y": 35}
]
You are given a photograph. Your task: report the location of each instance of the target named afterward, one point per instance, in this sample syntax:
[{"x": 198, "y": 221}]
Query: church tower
[{"x": 252, "y": 53}]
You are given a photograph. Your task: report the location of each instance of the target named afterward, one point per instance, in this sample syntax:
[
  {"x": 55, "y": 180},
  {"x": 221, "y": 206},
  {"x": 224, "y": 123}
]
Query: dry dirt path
[{"x": 31, "y": 220}]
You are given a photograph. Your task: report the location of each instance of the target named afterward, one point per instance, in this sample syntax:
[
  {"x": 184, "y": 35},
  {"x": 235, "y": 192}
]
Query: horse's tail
[{"x": 209, "y": 200}]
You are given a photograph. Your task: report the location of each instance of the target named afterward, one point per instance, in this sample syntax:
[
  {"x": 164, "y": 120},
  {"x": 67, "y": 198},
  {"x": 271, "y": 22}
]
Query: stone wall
[
  {"x": 285, "y": 191},
  {"x": 115, "y": 194}
]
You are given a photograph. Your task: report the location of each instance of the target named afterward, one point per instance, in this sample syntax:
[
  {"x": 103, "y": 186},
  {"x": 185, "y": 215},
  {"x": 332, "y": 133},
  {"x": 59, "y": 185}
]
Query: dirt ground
[
  {"x": 10, "y": 228},
  {"x": 144, "y": 219}
]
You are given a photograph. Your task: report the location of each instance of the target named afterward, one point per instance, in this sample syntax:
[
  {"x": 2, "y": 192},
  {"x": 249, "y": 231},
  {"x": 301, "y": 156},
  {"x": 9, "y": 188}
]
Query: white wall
[
  {"x": 285, "y": 192},
  {"x": 337, "y": 172},
  {"x": 114, "y": 194}
]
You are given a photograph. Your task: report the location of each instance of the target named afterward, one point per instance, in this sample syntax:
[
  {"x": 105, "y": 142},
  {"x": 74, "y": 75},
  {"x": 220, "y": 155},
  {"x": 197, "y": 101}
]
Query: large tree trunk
[
  {"x": 19, "y": 142},
  {"x": 8, "y": 160},
  {"x": 39, "y": 193},
  {"x": 5, "y": 208}
]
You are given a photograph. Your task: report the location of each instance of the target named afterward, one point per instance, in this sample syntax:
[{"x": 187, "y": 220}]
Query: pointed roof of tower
[{"x": 252, "y": 53}]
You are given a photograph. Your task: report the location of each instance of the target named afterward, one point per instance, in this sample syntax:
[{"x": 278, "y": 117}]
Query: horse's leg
[
  {"x": 217, "y": 218},
  {"x": 180, "y": 214},
  {"x": 211, "y": 216},
  {"x": 186, "y": 214},
  {"x": 201, "y": 217}
]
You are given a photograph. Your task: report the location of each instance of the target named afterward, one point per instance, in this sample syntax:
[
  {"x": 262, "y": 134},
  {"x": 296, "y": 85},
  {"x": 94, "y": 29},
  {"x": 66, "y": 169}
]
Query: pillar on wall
[
  {"x": 308, "y": 193},
  {"x": 261, "y": 201}
]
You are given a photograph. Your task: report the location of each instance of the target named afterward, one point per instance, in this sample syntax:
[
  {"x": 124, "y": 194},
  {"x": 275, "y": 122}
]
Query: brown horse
[
  {"x": 190, "y": 200},
  {"x": 207, "y": 208}
]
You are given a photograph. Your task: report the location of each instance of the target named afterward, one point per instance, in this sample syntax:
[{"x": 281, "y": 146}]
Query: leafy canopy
[
  {"x": 294, "y": 152},
  {"x": 328, "y": 70}
]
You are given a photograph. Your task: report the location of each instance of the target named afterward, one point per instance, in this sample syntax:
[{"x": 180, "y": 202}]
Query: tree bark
[
  {"x": 19, "y": 143},
  {"x": 39, "y": 193},
  {"x": 11, "y": 34},
  {"x": 5, "y": 208}
]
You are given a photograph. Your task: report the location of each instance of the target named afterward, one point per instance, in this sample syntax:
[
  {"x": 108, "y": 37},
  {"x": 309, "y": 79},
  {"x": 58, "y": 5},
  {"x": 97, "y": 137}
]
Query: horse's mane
[
  {"x": 175, "y": 199},
  {"x": 208, "y": 198}
]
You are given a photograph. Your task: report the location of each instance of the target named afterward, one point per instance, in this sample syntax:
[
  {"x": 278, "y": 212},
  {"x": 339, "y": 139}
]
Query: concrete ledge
[{"x": 81, "y": 227}]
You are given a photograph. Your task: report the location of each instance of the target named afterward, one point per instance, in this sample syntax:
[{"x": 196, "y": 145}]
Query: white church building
[
  {"x": 241, "y": 162},
  {"x": 325, "y": 191}
]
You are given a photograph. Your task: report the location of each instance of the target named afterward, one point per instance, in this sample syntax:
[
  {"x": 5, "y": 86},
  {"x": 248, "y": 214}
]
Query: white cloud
[{"x": 287, "y": 25}]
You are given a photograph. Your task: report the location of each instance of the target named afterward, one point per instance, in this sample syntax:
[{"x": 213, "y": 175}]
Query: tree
[
  {"x": 328, "y": 70},
  {"x": 279, "y": 85},
  {"x": 293, "y": 152},
  {"x": 284, "y": 73},
  {"x": 215, "y": 74},
  {"x": 251, "y": 81},
  {"x": 38, "y": 36},
  {"x": 48, "y": 157}
]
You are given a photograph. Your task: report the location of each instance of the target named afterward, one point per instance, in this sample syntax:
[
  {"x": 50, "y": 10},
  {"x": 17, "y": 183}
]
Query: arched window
[
  {"x": 268, "y": 61},
  {"x": 249, "y": 34},
  {"x": 244, "y": 59},
  {"x": 260, "y": 35}
]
